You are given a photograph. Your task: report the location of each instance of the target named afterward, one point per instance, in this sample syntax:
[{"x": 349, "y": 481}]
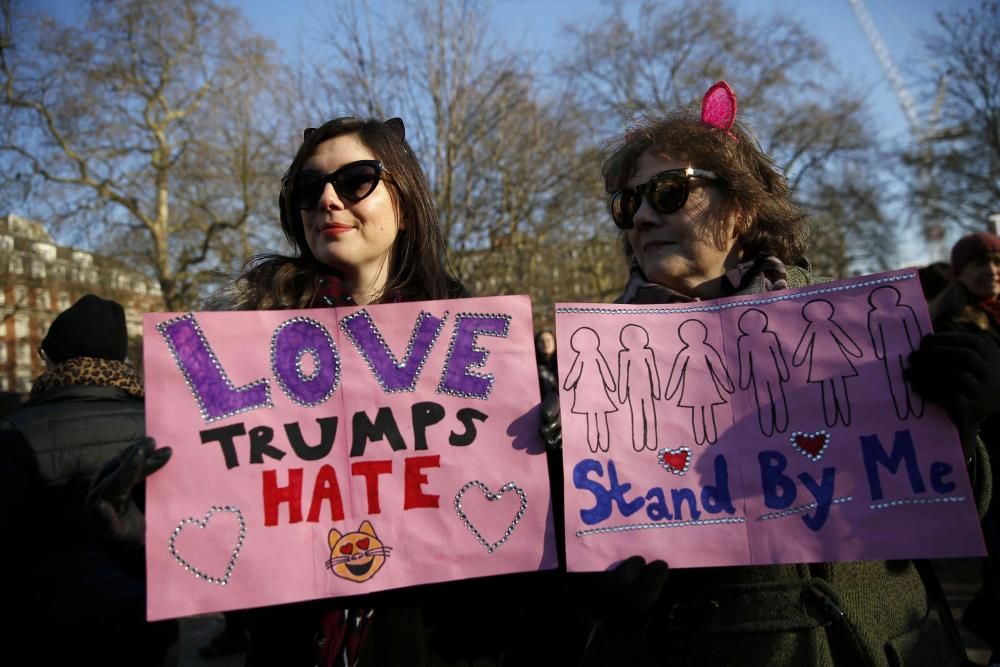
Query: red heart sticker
[
  {"x": 363, "y": 543},
  {"x": 812, "y": 445},
  {"x": 346, "y": 549},
  {"x": 676, "y": 461}
]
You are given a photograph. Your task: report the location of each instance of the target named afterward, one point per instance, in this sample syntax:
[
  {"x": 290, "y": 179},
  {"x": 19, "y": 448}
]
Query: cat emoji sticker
[{"x": 358, "y": 555}]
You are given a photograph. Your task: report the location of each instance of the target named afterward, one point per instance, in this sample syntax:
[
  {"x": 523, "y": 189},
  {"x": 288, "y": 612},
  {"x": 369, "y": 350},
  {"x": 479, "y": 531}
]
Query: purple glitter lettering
[
  {"x": 217, "y": 397},
  {"x": 292, "y": 341},
  {"x": 393, "y": 376},
  {"x": 464, "y": 354}
]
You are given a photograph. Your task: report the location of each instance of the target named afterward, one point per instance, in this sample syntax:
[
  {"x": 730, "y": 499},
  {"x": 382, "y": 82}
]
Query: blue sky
[{"x": 538, "y": 25}]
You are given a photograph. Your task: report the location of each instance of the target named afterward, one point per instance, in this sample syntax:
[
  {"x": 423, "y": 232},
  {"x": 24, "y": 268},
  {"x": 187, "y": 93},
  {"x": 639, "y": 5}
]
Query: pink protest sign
[
  {"x": 774, "y": 428},
  {"x": 332, "y": 452}
]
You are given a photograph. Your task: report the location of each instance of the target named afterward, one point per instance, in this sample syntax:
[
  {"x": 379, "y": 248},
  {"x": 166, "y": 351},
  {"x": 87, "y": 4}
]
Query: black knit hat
[{"x": 91, "y": 327}]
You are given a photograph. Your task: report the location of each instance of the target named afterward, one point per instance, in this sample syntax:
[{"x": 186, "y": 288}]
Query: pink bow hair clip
[{"x": 718, "y": 107}]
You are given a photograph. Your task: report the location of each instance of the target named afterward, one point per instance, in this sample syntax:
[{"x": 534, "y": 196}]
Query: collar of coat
[{"x": 92, "y": 371}]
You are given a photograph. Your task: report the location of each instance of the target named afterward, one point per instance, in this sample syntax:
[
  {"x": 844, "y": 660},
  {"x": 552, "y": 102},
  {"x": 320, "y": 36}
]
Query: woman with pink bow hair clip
[{"x": 703, "y": 212}]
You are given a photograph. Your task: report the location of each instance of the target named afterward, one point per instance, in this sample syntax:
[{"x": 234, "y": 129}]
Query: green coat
[{"x": 882, "y": 613}]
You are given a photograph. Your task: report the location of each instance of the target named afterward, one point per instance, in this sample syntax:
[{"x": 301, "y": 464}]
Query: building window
[
  {"x": 4, "y": 383},
  {"x": 3, "y": 326},
  {"x": 37, "y": 269},
  {"x": 63, "y": 301},
  {"x": 6, "y": 242},
  {"x": 3, "y": 296},
  {"x": 82, "y": 258},
  {"x": 24, "y": 352},
  {"x": 21, "y": 326},
  {"x": 20, "y": 296},
  {"x": 3, "y": 352},
  {"x": 24, "y": 381},
  {"x": 44, "y": 300},
  {"x": 46, "y": 251},
  {"x": 42, "y": 328},
  {"x": 16, "y": 265}
]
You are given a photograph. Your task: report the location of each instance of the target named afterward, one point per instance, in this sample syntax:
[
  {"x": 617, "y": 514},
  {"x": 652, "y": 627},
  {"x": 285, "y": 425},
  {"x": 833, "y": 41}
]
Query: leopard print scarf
[{"x": 89, "y": 371}]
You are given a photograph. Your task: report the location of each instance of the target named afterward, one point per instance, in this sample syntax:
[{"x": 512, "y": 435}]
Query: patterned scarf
[
  {"x": 333, "y": 291},
  {"x": 764, "y": 274},
  {"x": 91, "y": 371},
  {"x": 992, "y": 308}
]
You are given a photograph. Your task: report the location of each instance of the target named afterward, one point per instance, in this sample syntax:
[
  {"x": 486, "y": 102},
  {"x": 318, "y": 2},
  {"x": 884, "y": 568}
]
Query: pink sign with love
[
  {"x": 774, "y": 428},
  {"x": 331, "y": 452}
]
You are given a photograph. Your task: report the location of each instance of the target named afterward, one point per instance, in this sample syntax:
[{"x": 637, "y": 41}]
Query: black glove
[
  {"x": 631, "y": 588},
  {"x": 959, "y": 371},
  {"x": 551, "y": 428},
  {"x": 110, "y": 498}
]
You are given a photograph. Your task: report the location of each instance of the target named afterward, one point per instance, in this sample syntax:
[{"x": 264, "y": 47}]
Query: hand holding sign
[
  {"x": 961, "y": 372},
  {"x": 110, "y": 498}
]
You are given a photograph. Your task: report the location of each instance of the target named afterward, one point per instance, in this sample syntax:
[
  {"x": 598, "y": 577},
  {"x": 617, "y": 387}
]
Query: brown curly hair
[{"x": 754, "y": 190}]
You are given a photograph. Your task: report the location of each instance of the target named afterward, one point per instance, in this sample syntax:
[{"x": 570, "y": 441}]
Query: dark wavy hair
[
  {"x": 753, "y": 188},
  {"x": 417, "y": 264}
]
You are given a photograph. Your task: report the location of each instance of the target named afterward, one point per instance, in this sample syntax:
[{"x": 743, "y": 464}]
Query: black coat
[{"x": 75, "y": 598}]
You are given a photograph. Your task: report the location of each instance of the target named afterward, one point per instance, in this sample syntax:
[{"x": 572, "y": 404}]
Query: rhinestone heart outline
[
  {"x": 660, "y": 455},
  {"x": 202, "y": 523},
  {"x": 822, "y": 450},
  {"x": 490, "y": 496}
]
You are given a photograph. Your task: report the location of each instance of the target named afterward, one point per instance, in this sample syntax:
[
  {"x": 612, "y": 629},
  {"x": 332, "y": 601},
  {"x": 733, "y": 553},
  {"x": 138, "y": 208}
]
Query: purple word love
[{"x": 300, "y": 337}]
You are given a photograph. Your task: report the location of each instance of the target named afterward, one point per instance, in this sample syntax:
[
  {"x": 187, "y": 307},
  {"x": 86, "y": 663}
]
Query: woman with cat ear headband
[
  {"x": 702, "y": 212},
  {"x": 358, "y": 211}
]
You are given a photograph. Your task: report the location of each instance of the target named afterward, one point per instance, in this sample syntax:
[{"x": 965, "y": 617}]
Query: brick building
[{"x": 39, "y": 279}]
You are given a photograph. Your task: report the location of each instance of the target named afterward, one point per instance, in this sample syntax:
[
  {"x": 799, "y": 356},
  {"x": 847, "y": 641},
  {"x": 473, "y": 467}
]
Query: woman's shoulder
[{"x": 801, "y": 275}]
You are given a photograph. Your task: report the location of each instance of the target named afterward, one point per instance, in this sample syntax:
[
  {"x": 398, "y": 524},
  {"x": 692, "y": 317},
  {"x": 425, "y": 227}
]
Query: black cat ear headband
[{"x": 394, "y": 125}]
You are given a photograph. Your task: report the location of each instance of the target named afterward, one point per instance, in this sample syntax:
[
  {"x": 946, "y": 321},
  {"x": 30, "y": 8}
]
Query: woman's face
[
  {"x": 981, "y": 276},
  {"x": 681, "y": 250},
  {"x": 354, "y": 238}
]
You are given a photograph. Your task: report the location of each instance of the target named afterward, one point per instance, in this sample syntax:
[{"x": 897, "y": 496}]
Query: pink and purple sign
[
  {"x": 775, "y": 428},
  {"x": 332, "y": 452}
]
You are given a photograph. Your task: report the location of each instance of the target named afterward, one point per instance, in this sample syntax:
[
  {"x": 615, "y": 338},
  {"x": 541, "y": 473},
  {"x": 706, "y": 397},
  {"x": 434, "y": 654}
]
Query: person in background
[
  {"x": 702, "y": 213},
  {"x": 971, "y": 303},
  {"x": 545, "y": 356},
  {"x": 79, "y": 593}
]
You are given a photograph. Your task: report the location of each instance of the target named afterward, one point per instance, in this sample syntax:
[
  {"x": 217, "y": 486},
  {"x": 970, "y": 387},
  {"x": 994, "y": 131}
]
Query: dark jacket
[
  {"x": 75, "y": 598},
  {"x": 54, "y": 445},
  {"x": 846, "y": 613}
]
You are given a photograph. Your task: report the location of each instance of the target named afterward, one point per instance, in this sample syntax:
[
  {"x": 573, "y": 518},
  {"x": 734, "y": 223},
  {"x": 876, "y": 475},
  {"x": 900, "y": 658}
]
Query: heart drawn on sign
[
  {"x": 810, "y": 445},
  {"x": 677, "y": 461},
  {"x": 203, "y": 523},
  {"x": 490, "y": 496}
]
